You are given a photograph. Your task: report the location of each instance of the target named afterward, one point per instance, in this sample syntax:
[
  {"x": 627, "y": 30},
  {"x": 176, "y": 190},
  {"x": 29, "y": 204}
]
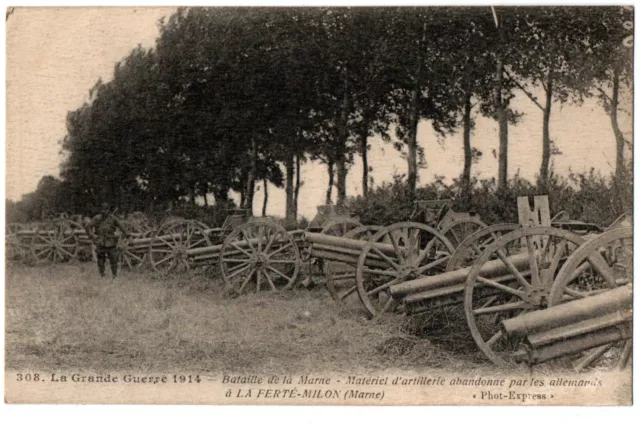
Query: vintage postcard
[{"x": 319, "y": 205}]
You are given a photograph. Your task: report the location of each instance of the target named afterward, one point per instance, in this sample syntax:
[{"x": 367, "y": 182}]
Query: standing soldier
[{"x": 102, "y": 231}]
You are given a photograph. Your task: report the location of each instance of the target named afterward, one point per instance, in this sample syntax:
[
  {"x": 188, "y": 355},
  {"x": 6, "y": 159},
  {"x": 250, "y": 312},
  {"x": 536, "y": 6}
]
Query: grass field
[{"x": 67, "y": 317}]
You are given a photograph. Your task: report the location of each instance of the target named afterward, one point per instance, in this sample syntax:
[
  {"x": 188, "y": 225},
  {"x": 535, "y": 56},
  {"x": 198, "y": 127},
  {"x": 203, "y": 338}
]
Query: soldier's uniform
[{"x": 106, "y": 241}]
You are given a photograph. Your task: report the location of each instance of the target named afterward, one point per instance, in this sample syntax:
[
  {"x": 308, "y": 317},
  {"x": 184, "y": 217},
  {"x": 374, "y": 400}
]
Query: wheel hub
[
  {"x": 260, "y": 260},
  {"x": 407, "y": 272},
  {"x": 180, "y": 251},
  {"x": 538, "y": 296}
]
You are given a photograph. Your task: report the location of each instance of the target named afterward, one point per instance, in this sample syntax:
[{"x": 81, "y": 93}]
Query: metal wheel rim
[
  {"x": 557, "y": 296},
  {"x": 472, "y": 241},
  {"x": 54, "y": 242},
  {"x": 471, "y": 284},
  {"x": 244, "y": 264},
  {"x": 448, "y": 230},
  {"x": 170, "y": 243},
  {"x": 402, "y": 272},
  {"x": 332, "y": 285}
]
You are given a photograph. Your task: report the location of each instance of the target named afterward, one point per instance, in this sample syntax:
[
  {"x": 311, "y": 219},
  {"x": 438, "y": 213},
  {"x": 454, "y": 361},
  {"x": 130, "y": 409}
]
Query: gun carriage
[{"x": 502, "y": 277}]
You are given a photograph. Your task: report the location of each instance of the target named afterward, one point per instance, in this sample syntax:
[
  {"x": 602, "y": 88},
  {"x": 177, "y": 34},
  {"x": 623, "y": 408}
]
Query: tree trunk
[
  {"x": 620, "y": 172},
  {"x": 330, "y": 187},
  {"x": 296, "y": 193},
  {"x": 243, "y": 199},
  {"x": 251, "y": 178},
  {"x": 341, "y": 173},
  {"x": 364, "y": 147},
  {"x": 204, "y": 194},
  {"x": 266, "y": 197},
  {"x": 503, "y": 123},
  {"x": 413, "y": 120},
  {"x": 290, "y": 206},
  {"x": 412, "y": 143},
  {"x": 465, "y": 181},
  {"x": 341, "y": 166},
  {"x": 221, "y": 195},
  {"x": 546, "y": 137}
]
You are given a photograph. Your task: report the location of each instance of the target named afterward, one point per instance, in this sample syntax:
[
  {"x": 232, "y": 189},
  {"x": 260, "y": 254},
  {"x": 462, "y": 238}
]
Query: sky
[{"x": 55, "y": 55}]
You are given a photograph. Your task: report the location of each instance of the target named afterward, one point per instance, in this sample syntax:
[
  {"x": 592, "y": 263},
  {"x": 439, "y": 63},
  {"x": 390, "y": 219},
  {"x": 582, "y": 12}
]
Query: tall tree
[{"x": 550, "y": 58}]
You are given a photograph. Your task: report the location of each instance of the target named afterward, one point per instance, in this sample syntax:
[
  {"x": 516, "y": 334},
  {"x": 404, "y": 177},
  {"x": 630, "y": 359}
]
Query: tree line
[{"x": 230, "y": 98}]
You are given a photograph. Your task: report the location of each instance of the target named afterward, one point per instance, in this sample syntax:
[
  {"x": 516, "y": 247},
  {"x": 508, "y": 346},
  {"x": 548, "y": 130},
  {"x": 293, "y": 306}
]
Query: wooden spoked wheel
[
  {"x": 413, "y": 250},
  {"x": 335, "y": 226},
  {"x": 55, "y": 242},
  {"x": 16, "y": 241},
  {"x": 133, "y": 251},
  {"x": 170, "y": 245},
  {"x": 460, "y": 229},
  {"x": 468, "y": 251},
  {"x": 259, "y": 255},
  {"x": 599, "y": 264},
  {"x": 340, "y": 277},
  {"x": 340, "y": 226},
  {"x": 528, "y": 261}
]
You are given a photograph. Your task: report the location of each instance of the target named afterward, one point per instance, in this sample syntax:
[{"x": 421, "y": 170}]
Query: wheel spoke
[
  {"x": 495, "y": 338},
  {"x": 593, "y": 356},
  {"x": 500, "y": 308},
  {"x": 626, "y": 354},
  {"x": 279, "y": 273},
  {"x": 198, "y": 242},
  {"x": 433, "y": 264},
  {"x": 504, "y": 288},
  {"x": 259, "y": 236},
  {"x": 601, "y": 266},
  {"x": 269, "y": 281},
  {"x": 455, "y": 237},
  {"x": 271, "y": 240},
  {"x": 62, "y": 250},
  {"x": 560, "y": 249},
  {"x": 161, "y": 238},
  {"x": 236, "y": 270},
  {"x": 282, "y": 261},
  {"x": 533, "y": 263},
  {"x": 348, "y": 292},
  {"x": 246, "y": 281},
  {"x": 284, "y": 247},
  {"x": 158, "y": 263},
  {"x": 379, "y": 272},
  {"x": 232, "y": 260},
  {"x": 258, "y": 277},
  {"x": 383, "y": 287},
  {"x": 384, "y": 257},
  {"x": 507, "y": 262},
  {"x": 387, "y": 305},
  {"x": 396, "y": 248},
  {"x": 233, "y": 244},
  {"x": 246, "y": 237},
  {"x": 44, "y": 250}
]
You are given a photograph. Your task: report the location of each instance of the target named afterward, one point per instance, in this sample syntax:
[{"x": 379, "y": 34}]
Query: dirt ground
[{"x": 66, "y": 317}]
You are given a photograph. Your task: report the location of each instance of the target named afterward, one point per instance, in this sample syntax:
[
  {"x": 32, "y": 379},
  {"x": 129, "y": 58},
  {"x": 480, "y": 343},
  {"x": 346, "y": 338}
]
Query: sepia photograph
[{"x": 380, "y": 205}]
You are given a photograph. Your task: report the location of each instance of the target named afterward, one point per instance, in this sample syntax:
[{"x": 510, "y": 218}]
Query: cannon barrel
[
  {"x": 491, "y": 269},
  {"x": 354, "y": 245},
  {"x": 340, "y": 256},
  {"x": 561, "y": 333},
  {"x": 575, "y": 311},
  {"x": 573, "y": 345}
]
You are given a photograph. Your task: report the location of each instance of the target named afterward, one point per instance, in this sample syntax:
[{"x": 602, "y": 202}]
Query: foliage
[
  {"x": 231, "y": 96},
  {"x": 589, "y": 197}
]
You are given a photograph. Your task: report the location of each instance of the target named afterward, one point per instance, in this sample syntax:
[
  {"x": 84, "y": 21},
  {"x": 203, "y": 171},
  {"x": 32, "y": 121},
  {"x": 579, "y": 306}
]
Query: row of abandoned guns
[{"x": 534, "y": 291}]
